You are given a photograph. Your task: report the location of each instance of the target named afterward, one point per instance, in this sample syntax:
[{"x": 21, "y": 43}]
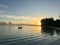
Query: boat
[{"x": 19, "y": 27}]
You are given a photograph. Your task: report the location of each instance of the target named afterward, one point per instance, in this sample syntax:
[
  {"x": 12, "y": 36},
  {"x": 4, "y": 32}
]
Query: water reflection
[
  {"x": 58, "y": 32},
  {"x": 28, "y": 35},
  {"x": 50, "y": 30}
]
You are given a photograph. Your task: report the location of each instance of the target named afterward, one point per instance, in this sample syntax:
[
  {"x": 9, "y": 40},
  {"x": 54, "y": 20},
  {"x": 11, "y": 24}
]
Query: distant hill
[{"x": 10, "y": 23}]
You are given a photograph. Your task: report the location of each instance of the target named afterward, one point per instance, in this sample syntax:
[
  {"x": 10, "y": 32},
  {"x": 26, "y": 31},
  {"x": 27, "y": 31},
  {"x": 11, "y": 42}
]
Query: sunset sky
[{"x": 28, "y": 11}]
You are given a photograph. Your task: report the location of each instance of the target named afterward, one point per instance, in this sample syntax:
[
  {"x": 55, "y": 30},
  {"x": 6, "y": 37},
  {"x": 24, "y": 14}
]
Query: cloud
[
  {"x": 3, "y": 6},
  {"x": 18, "y": 17},
  {"x": 3, "y": 12}
]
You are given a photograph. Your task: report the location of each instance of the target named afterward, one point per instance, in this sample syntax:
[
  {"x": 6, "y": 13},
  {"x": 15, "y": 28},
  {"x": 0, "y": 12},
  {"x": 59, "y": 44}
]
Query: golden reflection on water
[{"x": 37, "y": 29}]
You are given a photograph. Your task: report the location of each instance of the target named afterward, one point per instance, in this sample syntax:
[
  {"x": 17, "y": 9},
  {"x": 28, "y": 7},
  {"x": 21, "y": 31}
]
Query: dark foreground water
[{"x": 28, "y": 35}]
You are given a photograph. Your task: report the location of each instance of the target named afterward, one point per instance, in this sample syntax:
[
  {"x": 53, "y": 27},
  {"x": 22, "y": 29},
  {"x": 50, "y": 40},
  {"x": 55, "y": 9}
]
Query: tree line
[
  {"x": 50, "y": 22},
  {"x": 47, "y": 25}
]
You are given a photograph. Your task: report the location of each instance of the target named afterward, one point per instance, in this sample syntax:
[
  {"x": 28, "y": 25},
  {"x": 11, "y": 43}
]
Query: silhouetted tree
[
  {"x": 47, "y": 22},
  {"x": 47, "y": 25},
  {"x": 57, "y": 23}
]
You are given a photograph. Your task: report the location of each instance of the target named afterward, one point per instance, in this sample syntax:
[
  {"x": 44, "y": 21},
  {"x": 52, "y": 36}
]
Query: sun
[{"x": 39, "y": 23}]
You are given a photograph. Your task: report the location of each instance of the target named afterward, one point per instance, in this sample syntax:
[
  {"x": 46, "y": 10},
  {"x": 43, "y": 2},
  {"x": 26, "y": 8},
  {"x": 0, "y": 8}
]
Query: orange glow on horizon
[
  {"x": 37, "y": 22},
  {"x": 33, "y": 22}
]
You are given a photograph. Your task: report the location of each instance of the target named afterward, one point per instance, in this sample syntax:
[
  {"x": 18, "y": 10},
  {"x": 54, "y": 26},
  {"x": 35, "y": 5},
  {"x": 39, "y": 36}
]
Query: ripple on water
[{"x": 23, "y": 40}]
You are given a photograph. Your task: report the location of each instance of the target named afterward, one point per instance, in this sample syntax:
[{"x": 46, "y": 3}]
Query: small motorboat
[{"x": 19, "y": 27}]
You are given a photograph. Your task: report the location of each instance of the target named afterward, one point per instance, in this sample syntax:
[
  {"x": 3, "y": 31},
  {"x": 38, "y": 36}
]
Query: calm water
[{"x": 28, "y": 35}]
